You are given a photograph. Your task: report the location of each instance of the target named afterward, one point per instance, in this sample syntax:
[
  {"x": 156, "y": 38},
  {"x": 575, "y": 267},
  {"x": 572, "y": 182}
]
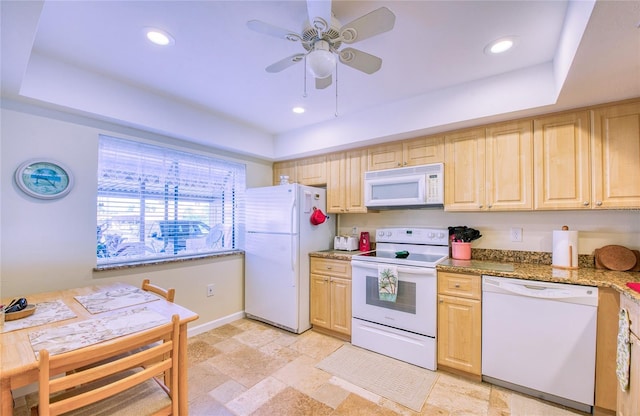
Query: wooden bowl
[{"x": 29, "y": 310}]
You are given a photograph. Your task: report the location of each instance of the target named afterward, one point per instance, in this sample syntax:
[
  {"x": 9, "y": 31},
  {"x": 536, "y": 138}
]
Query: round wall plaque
[{"x": 44, "y": 179}]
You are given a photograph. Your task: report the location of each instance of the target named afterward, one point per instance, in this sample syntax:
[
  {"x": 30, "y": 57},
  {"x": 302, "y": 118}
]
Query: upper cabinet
[
  {"x": 616, "y": 156},
  {"x": 420, "y": 151},
  {"x": 561, "y": 155},
  {"x": 345, "y": 182},
  {"x": 509, "y": 168},
  {"x": 286, "y": 168},
  {"x": 489, "y": 169},
  {"x": 577, "y": 167},
  {"x": 464, "y": 165},
  {"x": 311, "y": 171}
]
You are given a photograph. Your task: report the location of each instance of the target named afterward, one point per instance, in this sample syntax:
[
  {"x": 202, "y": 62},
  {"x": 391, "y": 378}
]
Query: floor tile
[
  {"x": 293, "y": 402},
  {"x": 252, "y": 399}
]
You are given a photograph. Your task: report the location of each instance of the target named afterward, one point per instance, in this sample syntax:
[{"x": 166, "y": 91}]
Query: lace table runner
[
  {"x": 92, "y": 331},
  {"x": 115, "y": 299},
  {"x": 46, "y": 313}
]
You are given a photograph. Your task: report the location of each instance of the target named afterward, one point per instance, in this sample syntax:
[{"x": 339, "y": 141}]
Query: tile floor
[{"x": 250, "y": 368}]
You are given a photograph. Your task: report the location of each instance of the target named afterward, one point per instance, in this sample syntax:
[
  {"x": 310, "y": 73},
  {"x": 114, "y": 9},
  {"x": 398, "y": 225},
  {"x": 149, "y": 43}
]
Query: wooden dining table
[{"x": 19, "y": 364}]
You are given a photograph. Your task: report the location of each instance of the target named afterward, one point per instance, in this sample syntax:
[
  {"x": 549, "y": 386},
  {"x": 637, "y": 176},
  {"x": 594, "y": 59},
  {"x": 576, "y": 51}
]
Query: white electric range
[{"x": 401, "y": 326}]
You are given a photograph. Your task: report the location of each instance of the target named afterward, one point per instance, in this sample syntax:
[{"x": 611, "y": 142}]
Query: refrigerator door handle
[{"x": 293, "y": 266}]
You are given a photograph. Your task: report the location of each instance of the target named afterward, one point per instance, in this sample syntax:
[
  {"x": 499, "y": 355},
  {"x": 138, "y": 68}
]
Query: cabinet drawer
[
  {"x": 329, "y": 267},
  {"x": 457, "y": 284},
  {"x": 634, "y": 313}
]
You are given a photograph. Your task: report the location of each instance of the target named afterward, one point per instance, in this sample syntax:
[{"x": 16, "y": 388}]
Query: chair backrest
[
  {"x": 115, "y": 366},
  {"x": 168, "y": 294}
]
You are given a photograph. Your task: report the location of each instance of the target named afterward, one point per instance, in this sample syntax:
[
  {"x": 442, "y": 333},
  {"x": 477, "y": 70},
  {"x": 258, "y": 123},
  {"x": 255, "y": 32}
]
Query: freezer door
[
  {"x": 271, "y": 278},
  {"x": 272, "y": 209}
]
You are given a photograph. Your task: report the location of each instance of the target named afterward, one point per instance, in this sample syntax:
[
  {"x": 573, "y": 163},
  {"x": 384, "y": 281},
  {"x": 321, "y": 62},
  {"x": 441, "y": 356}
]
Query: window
[{"x": 157, "y": 203}]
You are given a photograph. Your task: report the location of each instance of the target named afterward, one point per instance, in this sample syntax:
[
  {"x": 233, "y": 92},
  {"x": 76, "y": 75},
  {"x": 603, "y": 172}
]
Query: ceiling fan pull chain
[
  {"x": 304, "y": 90},
  {"x": 336, "y": 113}
]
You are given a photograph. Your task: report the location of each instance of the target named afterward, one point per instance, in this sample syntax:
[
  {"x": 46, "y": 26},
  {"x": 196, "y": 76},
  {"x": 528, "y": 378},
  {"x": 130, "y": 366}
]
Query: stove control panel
[{"x": 415, "y": 235}]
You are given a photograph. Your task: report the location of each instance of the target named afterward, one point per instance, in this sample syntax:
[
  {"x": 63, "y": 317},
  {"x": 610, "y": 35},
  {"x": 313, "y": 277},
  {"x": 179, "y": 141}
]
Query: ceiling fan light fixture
[
  {"x": 298, "y": 110},
  {"x": 321, "y": 61}
]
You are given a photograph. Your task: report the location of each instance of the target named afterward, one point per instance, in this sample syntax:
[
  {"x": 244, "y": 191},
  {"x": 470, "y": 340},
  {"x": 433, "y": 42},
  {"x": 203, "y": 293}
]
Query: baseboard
[{"x": 207, "y": 326}]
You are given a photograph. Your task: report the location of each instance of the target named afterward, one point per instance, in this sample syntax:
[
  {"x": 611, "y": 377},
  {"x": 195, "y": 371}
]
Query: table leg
[
  {"x": 6, "y": 399},
  {"x": 183, "y": 395}
]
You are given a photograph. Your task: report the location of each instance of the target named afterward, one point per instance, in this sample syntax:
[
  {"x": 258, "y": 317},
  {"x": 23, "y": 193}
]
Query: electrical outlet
[
  {"x": 210, "y": 289},
  {"x": 516, "y": 234},
  {"x": 354, "y": 231}
]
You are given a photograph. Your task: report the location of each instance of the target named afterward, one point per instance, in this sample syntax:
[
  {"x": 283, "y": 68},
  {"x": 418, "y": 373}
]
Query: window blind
[{"x": 159, "y": 203}]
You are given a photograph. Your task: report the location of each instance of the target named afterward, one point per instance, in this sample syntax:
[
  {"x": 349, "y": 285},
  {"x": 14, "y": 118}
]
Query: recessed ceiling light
[
  {"x": 298, "y": 110},
  {"x": 159, "y": 37},
  {"x": 499, "y": 46}
]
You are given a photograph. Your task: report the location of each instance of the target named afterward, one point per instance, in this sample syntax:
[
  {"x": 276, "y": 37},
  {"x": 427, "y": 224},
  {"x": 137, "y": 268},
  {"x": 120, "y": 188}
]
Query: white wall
[
  {"x": 49, "y": 245},
  {"x": 596, "y": 228}
]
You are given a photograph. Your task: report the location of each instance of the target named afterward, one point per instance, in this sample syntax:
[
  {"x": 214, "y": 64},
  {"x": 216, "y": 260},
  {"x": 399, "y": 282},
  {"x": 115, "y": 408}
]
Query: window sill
[{"x": 107, "y": 267}]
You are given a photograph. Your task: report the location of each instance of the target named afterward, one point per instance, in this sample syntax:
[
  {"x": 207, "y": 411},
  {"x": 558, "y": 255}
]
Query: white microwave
[{"x": 411, "y": 187}]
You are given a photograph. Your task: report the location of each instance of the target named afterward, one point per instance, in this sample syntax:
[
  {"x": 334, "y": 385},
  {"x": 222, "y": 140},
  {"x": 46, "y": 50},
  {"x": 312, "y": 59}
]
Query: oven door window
[{"x": 405, "y": 301}]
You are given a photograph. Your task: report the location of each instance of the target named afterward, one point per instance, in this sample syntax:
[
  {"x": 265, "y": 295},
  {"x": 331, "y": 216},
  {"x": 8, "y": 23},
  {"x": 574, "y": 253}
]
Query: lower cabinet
[
  {"x": 628, "y": 402},
  {"x": 330, "y": 288},
  {"x": 460, "y": 323}
]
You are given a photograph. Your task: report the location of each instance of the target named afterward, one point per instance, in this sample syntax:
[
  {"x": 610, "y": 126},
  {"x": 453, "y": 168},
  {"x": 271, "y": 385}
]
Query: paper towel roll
[{"x": 565, "y": 249}]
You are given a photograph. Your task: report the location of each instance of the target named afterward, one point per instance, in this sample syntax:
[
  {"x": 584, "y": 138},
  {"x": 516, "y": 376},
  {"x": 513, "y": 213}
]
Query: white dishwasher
[{"x": 539, "y": 338}]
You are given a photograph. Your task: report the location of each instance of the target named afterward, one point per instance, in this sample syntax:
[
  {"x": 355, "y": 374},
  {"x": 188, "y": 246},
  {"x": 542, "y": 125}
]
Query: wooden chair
[
  {"x": 113, "y": 379},
  {"x": 168, "y": 294}
]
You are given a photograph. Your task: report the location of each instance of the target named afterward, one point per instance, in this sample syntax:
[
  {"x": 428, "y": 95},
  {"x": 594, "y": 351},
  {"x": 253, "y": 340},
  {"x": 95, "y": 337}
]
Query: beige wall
[{"x": 48, "y": 245}]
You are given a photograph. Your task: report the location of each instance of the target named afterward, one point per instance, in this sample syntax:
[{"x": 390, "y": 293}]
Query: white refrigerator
[{"x": 279, "y": 236}]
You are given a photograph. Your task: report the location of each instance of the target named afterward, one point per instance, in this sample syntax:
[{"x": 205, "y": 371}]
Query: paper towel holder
[{"x": 570, "y": 255}]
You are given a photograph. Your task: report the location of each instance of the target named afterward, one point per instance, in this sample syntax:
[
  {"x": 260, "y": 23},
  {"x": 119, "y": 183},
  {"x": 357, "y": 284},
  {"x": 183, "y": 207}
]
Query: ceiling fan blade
[
  {"x": 271, "y": 30},
  {"x": 378, "y": 21},
  {"x": 319, "y": 13},
  {"x": 322, "y": 83},
  {"x": 359, "y": 60},
  {"x": 285, "y": 63}
]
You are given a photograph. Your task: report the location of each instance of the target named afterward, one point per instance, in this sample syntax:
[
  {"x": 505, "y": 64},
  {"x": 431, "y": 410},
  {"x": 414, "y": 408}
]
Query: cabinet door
[
  {"x": 341, "y": 305},
  {"x": 355, "y": 165},
  {"x": 616, "y": 156},
  {"x": 464, "y": 154},
  {"x": 312, "y": 171},
  {"x": 320, "y": 301},
  {"x": 561, "y": 161},
  {"x": 286, "y": 168},
  {"x": 336, "y": 183},
  {"x": 509, "y": 166},
  {"x": 387, "y": 156},
  {"x": 423, "y": 151},
  {"x": 459, "y": 334}
]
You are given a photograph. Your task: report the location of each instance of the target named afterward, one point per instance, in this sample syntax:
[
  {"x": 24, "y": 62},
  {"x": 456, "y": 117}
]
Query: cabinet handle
[
  {"x": 599, "y": 203},
  {"x": 480, "y": 206},
  {"x": 457, "y": 285},
  {"x": 399, "y": 164},
  {"x": 405, "y": 163},
  {"x": 440, "y": 301},
  {"x": 585, "y": 203},
  {"x": 489, "y": 206},
  {"x": 328, "y": 267}
]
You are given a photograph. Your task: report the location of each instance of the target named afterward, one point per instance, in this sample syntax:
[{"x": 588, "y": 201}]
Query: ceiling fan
[{"x": 322, "y": 37}]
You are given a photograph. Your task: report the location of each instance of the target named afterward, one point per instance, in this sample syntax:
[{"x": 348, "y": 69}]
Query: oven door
[{"x": 414, "y": 308}]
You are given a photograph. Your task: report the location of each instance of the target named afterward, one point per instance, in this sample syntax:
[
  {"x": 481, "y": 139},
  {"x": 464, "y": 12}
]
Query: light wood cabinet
[
  {"x": 311, "y": 171},
  {"x": 464, "y": 164},
  {"x": 345, "y": 182},
  {"x": 561, "y": 161},
  {"x": 331, "y": 295},
  {"x": 628, "y": 402},
  {"x": 460, "y": 323},
  {"x": 419, "y": 151},
  {"x": 606, "y": 339},
  {"x": 490, "y": 169},
  {"x": 286, "y": 168},
  {"x": 616, "y": 156}
]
